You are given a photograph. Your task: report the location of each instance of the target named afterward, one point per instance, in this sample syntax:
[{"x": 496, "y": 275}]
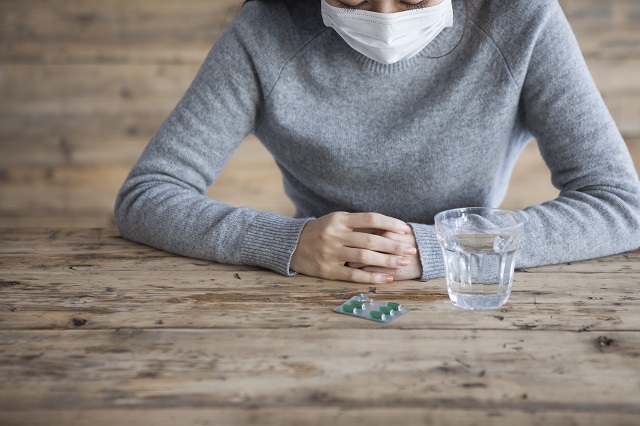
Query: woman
[{"x": 380, "y": 114}]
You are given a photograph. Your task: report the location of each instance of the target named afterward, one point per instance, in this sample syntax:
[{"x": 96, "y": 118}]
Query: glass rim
[{"x": 520, "y": 220}]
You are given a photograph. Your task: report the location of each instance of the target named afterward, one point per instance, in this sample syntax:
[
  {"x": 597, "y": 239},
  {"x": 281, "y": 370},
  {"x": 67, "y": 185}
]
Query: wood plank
[
  {"x": 84, "y": 114},
  {"x": 92, "y": 89},
  {"x": 68, "y": 196},
  {"x": 619, "y": 84},
  {"x": 92, "y": 279},
  {"x": 524, "y": 371},
  {"x": 91, "y": 104},
  {"x": 73, "y": 102},
  {"x": 296, "y": 416},
  {"x": 64, "y": 189},
  {"x": 41, "y": 249},
  {"x": 38, "y": 31},
  {"x": 250, "y": 178},
  {"x": 91, "y": 108},
  {"x": 530, "y": 182},
  {"x": 237, "y": 346},
  {"x": 214, "y": 298},
  {"x": 66, "y": 220},
  {"x": 605, "y": 29},
  {"x": 69, "y": 138},
  {"x": 531, "y": 179}
]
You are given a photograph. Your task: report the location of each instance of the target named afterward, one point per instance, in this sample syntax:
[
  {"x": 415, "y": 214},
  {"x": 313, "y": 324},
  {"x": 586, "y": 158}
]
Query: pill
[
  {"x": 356, "y": 304},
  {"x": 367, "y": 308},
  {"x": 377, "y": 315},
  {"x": 385, "y": 310},
  {"x": 348, "y": 309},
  {"x": 394, "y": 306}
]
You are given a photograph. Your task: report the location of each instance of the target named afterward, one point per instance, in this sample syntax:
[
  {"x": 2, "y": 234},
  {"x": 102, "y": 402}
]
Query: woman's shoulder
[
  {"x": 518, "y": 6},
  {"x": 512, "y": 16},
  {"x": 280, "y": 21},
  {"x": 265, "y": 35},
  {"x": 516, "y": 26},
  {"x": 521, "y": 27}
]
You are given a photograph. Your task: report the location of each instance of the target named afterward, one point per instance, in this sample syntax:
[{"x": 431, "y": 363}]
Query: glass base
[{"x": 478, "y": 302}]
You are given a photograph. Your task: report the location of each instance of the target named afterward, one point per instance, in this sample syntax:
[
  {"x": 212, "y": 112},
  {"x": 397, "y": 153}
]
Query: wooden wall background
[{"x": 85, "y": 83}]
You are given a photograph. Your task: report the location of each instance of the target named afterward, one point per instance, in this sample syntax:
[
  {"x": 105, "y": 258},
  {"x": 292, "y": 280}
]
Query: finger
[
  {"x": 393, "y": 273},
  {"x": 360, "y": 276},
  {"x": 396, "y": 274},
  {"x": 372, "y": 231},
  {"x": 373, "y": 258},
  {"x": 379, "y": 269},
  {"x": 399, "y": 237},
  {"x": 378, "y": 243},
  {"x": 376, "y": 221},
  {"x": 409, "y": 273}
]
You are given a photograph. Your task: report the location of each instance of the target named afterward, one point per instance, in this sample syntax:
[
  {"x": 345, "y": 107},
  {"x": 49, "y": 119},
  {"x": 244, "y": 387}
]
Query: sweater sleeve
[
  {"x": 597, "y": 212},
  {"x": 163, "y": 201}
]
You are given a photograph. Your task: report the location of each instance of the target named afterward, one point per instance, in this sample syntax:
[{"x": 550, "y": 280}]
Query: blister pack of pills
[{"x": 365, "y": 307}]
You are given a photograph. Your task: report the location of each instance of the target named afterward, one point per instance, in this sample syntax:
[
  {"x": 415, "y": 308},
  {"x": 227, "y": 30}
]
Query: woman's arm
[
  {"x": 598, "y": 210},
  {"x": 163, "y": 202}
]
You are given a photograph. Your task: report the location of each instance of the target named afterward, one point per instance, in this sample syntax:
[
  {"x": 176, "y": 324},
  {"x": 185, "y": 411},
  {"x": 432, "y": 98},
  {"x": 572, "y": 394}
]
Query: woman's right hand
[{"x": 328, "y": 243}]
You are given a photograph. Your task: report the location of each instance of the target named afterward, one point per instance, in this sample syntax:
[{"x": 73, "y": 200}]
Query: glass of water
[{"x": 479, "y": 246}]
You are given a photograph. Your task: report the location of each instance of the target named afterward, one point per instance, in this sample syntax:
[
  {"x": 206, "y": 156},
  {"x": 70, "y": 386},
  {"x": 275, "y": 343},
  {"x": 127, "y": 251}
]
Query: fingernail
[
  {"x": 401, "y": 261},
  {"x": 384, "y": 278},
  {"x": 410, "y": 250},
  {"x": 405, "y": 228}
]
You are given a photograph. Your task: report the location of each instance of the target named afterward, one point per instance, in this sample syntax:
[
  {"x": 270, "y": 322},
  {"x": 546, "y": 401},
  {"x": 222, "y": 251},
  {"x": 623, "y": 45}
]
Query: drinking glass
[{"x": 479, "y": 246}]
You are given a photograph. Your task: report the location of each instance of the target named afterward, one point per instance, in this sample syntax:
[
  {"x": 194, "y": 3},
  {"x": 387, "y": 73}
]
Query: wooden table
[{"x": 96, "y": 330}]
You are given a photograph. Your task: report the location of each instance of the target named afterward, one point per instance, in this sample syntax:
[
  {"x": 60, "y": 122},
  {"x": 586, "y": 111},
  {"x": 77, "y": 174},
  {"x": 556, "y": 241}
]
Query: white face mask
[{"x": 388, "y": 37}]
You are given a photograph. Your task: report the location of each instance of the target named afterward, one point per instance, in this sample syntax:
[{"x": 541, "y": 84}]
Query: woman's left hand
[{"x": 411, "y": 272}]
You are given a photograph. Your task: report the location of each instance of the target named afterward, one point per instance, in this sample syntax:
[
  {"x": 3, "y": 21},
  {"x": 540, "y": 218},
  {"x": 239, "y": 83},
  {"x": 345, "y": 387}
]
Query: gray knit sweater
[{"x": 407, "y": 140}]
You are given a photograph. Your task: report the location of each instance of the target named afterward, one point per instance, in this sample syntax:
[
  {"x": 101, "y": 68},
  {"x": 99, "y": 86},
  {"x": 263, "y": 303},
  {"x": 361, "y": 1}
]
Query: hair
[{"x": 468, "y": 4}]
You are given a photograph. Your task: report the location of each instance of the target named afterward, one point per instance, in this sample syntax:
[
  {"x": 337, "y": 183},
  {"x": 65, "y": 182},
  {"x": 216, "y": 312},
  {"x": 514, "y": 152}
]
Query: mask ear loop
[{"x": 464, "y": 32}]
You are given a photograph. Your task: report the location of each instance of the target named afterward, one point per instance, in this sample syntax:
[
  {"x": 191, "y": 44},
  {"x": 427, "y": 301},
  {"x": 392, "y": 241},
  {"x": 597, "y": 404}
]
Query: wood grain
[
  {"x": 86, "y": 83},
  {"x": 161, "y": 369},
  {"x": 79, "y": 276},
  {"x": 96, "y": 330},
  {"x": 113, "y": 31},
  {"x": 334, "y": 415}
]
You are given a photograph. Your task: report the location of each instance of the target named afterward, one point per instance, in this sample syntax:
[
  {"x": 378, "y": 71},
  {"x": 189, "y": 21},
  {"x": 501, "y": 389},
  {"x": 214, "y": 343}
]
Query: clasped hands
[{"x": 358, "y": 247}]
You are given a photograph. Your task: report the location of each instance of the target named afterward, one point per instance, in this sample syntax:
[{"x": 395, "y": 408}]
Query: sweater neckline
[{"x": 444, "y": 43}]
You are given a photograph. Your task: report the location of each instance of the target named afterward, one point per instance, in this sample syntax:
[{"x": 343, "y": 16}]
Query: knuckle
[
  {"x": 323, "y": 251},
  {"x": 336, "y": 218},
  {"x": 330, "y": 218},
  {"x": 324, "y": 270},
  {"x": 324, "y": 235},
  {"x": 322, "y": 258},
  {"x": 353, "y": 275},
  {"x": 371, "y": 219},
  {"x": 369, "y": 240},
  {"x": 338, "y": 215},
  {"x": 362, "y": 256}
]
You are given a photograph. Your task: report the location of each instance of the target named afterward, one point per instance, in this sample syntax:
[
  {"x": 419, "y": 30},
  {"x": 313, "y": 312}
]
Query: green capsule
[
  {"x": 356, "y": 304},
  {"x": 377, "y": 315},
  {"x": 385, "y": 310},
  {"x": 348, "y": 309},
  {"x": 394, "y": 306}
]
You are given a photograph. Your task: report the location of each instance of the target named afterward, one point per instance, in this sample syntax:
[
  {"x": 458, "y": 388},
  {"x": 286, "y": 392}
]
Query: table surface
[{"x": 98, "y": 330}]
